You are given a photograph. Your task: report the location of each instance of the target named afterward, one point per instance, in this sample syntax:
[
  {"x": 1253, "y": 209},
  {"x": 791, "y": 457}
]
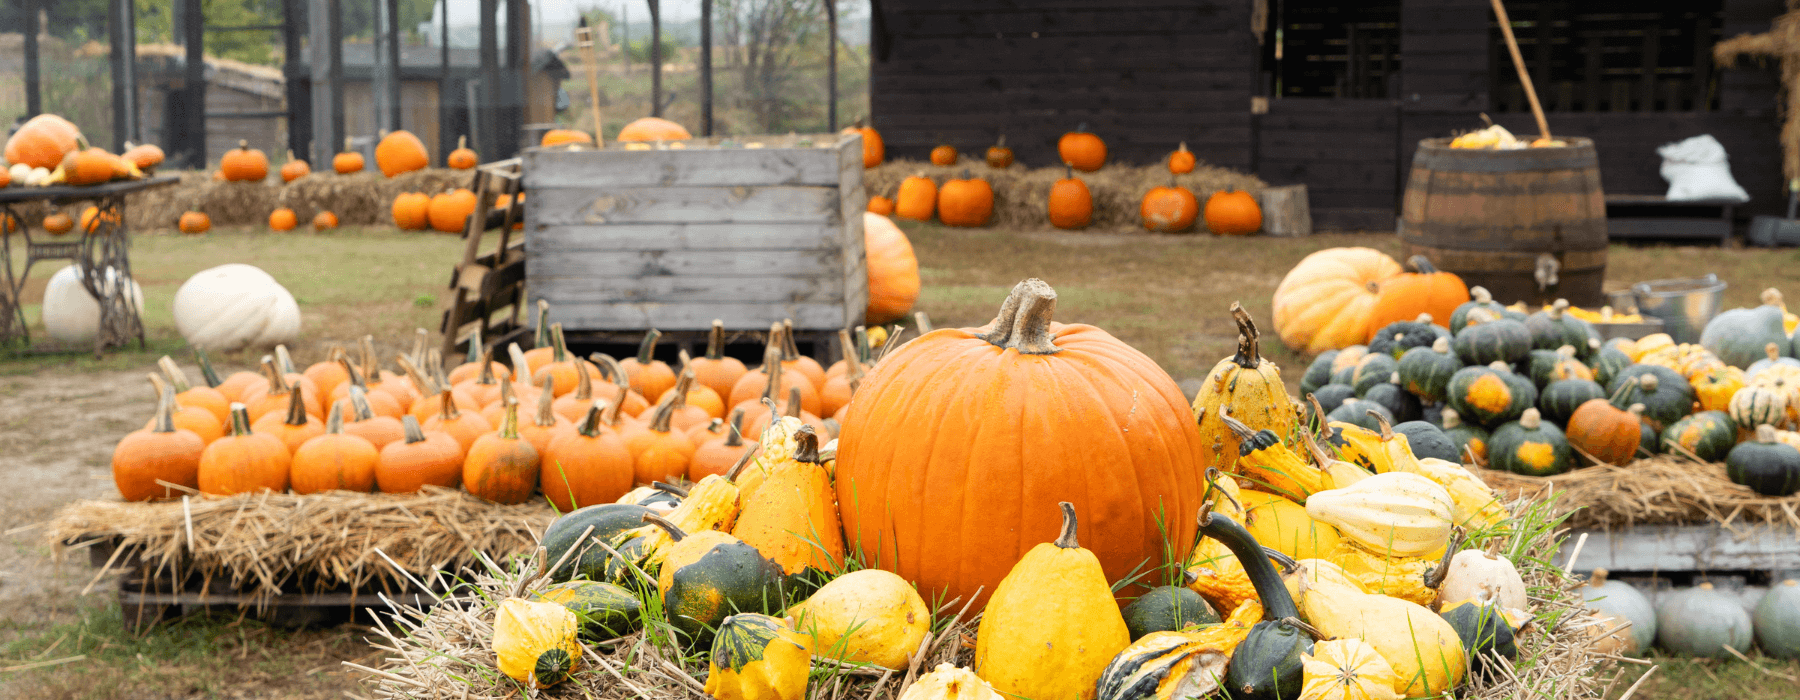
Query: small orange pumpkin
[
  {"x": 325, "y": 220},
  {"x": 400, "y": 152},
  {"x": 347, "y": 162},
  {"x": 881, "y": 205},
  {"x": 294, "y": 168},
  {"x": 1181, "y": 160},
  {"x": 1071, "y": 205},
  {"x": 874, "y": 150},
  {"x": 999, "y": 156},
  {"x": 463, "y": 157},
  {"x": 243, "y": 461},
  {"x": 943, "y": 155},
  {"x": 1406, "y": 295},
  {"x": 145, "y": 156},
  {"x": 410, "y": 211},
  {"x": 654, "y": 129},
  {"x": 449, "y": 211},
  {"x": 1233, "y": 213},
  {"x": 244, "y": 164},
  {"x": 1081, "y": 150},
  {"x": 917, "y": 198},
  {"x": 283, "y": 219},
  {"x": 968, "y": 201},
  {"x": 1169, "y": 209},
  {"x": 558, "y": 137},
  {"x": 58, "y": 224},
  {"x": 91, "y": 218},
  {"x": 194, "y": 222}
]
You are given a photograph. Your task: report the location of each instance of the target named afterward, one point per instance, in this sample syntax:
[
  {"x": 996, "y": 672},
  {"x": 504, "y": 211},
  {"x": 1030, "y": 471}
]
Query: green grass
[{"x": 1680, "y": 678}]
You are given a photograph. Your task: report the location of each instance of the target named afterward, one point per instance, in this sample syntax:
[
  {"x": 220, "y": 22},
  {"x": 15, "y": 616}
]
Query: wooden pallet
[
  {"x": 486, "y": 285},
  {"x": 1676, "y": 548}
]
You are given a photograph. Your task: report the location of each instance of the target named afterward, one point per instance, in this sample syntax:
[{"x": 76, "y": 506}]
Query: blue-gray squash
[
  {"x": 1702, "y": 621},
  {"x": 1620, "y": 600},
  {"x": 1738, "y": 336},
  {"x": 1777, "y": 620}
]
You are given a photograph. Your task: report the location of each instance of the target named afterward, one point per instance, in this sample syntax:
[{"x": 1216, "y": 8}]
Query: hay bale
[
  {"x": 1020, "y": 193},
  {"x": 361, "y": 199},
  {"x": 1661, "y": 490}
]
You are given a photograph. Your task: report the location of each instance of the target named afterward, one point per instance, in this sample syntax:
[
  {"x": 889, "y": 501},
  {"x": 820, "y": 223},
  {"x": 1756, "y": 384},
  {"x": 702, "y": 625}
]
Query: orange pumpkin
[
  {"x": 1081, "y": 150},
  {"x": 968, "y": 201},
  {"x": 243, "y": 461},
  {"x": 874, "y": 150},
  {"x": 893, "y": 270},
  {"x": 881, "y": 205},
  {"x": 244, "y": 164},
  {"x": 653, "y": 129},
  {"x": 5, "y": 177},
  {"x": 647, "y": 375},
  {"x": 411, "y": 211},
  {"x": 1181, "y": 160},
  {"x": 1071, "y": 206},
  {"x": 1014, "y": 456},
  {"x": 659, "y": 452},
  {"x": 501, "y": 466},
  {"x": 718, "y": 454},
  {"x": 204, "y": 397},
  {"x": 145, "y": 156},
  {"x": 91, "y": 219},
  {"x": 294, "y": 426},
  {"x": 348, "y": 161},
  {"x": 917, "y": 198},
  {"x": 1169, "y": 209},
  {"x": 324, "y": 220},
  {"x": 558, "y": 137},
  {"x": 1404, "y": 296},
  {"x": 943, "y": 155},
  {"x": 42, "y": 141},
  {"x": 449, "y": 211},
  {"x": 716, "y": 371},
  {"x": 160, "y": 452},
  {"x": 1328, "y": 301},
  {"x": 294, "y": 168},
  {"x": 194, "y": 222},
  {"x": 1606, "y": 431},
  {"x": 58, "y": 224},
  {"x": 419, "y": 459},
  {"x": 91, "y": 166},
  {"x": 334, "y": 460},
  {"x": 463, "y": 158},
  {"x": 465, "y": 426},
  {"x": 400, "y": 152},
  {"x": 283, "y": 219},
  {"x": 588, "y": 465},
  {"x": 1235, "y": 213},
  {"x": 998, "y": 155}
]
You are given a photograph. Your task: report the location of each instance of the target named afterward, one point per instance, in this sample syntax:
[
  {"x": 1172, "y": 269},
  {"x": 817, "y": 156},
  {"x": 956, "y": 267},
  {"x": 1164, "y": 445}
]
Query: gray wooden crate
[{"x": 621, "y": 239}]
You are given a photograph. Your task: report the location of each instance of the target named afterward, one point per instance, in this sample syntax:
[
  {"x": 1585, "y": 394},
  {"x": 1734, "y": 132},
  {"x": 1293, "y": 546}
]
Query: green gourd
[
  {"x": 1465, "y": 436},
  {"x": 564, "y": 533},
  {"x": 1665, "y": 394},
  {"x": 1777, "y": 620},
  {"x": 1764, "y": 465},
  {"x": 1491, "y": 340},
  {"x": 1268, "y": 663},
  {"x": 1400, "y": 336},
  {"x": 1331, "y": 396},
  {"x": 1318, "y": 373},
  {"x": 1553, "y": 328},
  {"x": 1427, "y": 440},
  {"x": 1479, "y": 298},
  {"x": 1738, "y": 336},
  {"x": 1530, "y": 446},
  {"x": 1710, "y": 435},
  {"x": 1401, "y": 405},
  {"x": 1621, "y": 600},
  {"x": 1426, "y": 372},
  {"x": 1558, "y": 401},
  {"x": 1490, "y": 395},
  {"x": 1372, "y": 370},
  {"x": 1485, "y": 632},
  {"x": 605, "y": 610},
  {"x": 1702, "y": 622},
  {"x": 1166, "y": 609},
  {"x": 1356, "y": 412},
  {"x": 1607, "y": 363}
]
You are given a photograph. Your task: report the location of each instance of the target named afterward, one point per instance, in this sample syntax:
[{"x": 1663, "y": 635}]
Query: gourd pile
[{"x": 1698, "y": 621}]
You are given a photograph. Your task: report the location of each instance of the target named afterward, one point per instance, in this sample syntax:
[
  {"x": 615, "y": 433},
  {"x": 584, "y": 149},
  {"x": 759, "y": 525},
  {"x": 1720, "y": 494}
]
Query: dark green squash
[
  {"x": 1538, "y": 364},
  {"x": 1649, "y": 442},
  {"x": 1607, "y": 363},
  {"x": 1166, "y": 609},
  {"x": 1426, "y": 372},
  {"x": 564, "y": 533},
  {"x": 729, "y": 578},
  {"x": 1267, "y": 664},
  {"x": 1356, "y": 412},
  {"x": 1560, "y": 398},
  {"x": 1495, "y": 340},
  {"x": 1553, "y": 328},
  {"x": 1530, "y": 446},
  {"x": 1666, "y": 398},
  {"x": 1331, "y": 396},
  {"x": 1318, "y": 373},
  {"x": 1710, "y": 435},
  {"x": 1396, "y": 338},
  {"x": 1764, "y": 465},
  {"x": 1427, "y": 440},
  {"x": 1479, "y": 298},
  {"x": 1466, "y": 437},
  {"x": 1400, "y": 404},
  {"x": 1485, "y": 632},
  {"x": 1490, "y": 395},
  {"x": 606, "y": 611},
  {"x": 1372, "y": 370}
]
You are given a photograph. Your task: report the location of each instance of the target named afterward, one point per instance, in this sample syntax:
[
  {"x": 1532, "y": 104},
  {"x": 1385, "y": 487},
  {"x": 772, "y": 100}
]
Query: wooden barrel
[{"x": 1502, "y": 219}]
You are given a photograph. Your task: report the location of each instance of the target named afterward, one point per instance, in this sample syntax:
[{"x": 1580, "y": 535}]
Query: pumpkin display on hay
[{"x": 1020, "y": 194}]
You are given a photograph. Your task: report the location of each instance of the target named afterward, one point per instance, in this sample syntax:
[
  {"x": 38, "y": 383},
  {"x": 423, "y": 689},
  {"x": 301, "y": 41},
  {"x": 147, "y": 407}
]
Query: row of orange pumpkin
[{"x": 969, "y": 202}]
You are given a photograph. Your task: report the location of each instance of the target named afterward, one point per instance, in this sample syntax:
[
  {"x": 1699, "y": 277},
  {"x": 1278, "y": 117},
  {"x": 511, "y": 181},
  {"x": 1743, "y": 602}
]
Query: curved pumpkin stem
[
  {"x": 734, "y": 435},
  {"x": 410, "y": 426},
  {"x": 674, "y": 530},
  {"x": 1387, "y": 429},
  {"x": 1277, "y": 603},
  {"x": 789, "y": 351},
  {"x": 1242, "y": 431},
  {"x": 240, "y": 420},
  {"x": 806, "y": 445},
  {"x": 646, "y": 349},
  {"x": 359, "y": 403},
  {"x": 509, "y": 424},
  {"x": 285, "y": 361},
  {"x": 165, "y": 405},
  {"x": 715, "y": 341},
  {"x": 743, "y": 461},
  {"x": 1435, "y": 577},
  {"x": 669, "y": 488},
  {"x": 206, "y": 369},
  {"x": 1067, "y": 539},
  {"x": 1024, "y": 320},
  {"x": 296, "y": 413},
  {"x": 1249, "y": 353},
  {"x": 541, "y": 339},
  {"x": 1422, "y": 264},
  {"x": 793, "y": 404}
]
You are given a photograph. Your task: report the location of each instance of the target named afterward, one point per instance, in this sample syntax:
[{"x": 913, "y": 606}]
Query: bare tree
[{"x": 768, "y": 36}]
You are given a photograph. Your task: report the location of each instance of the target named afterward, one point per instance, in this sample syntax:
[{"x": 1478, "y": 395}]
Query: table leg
[
  {"x": 12, "y": 310},
  {"x": 108, "y": 250}
]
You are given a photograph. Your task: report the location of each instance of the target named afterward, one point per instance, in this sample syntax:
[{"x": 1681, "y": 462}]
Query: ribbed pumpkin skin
[
  {"x": 1372, "y": 370},
  {"x": 1759, "y": 405},
  {"x": 1484, "y": 631},
  {"x": 1708, "y": 434},
  {"x": 1402, "y": 405},
  {"x": 1738, "y": 336},
  {"x": 1672, "y": 399},
  {"x": 1400, "y": 336},
  {"x": 1498, "y": 340},
  {"x": 1460, "y": 317},
  {"x": 1468, "y": 437},
  {"x": 1331, "y": 396},
  {"x": 951, "y": 408},
  {"x": 1777, "y": 621},
  {"x": 1551, "y": 330},
  {"x": 1427, "y": 440},
  {"x": 1560, "y": 399},
  {"x": 1484, "y": 395},
  {"x": 1327, "y": 300},
  {"x": 1714, "y": 387},
  {"x": 1701, "y": 622},
  {"x": 1426, "y": 373},
  {"x": 1356, "y": 412},
  {"x": 1601, "y": 429},
  {"x": 1608, "y": 362},
  {"x": 1768, "y": 468},
  {"x": 721, "y": 579}
]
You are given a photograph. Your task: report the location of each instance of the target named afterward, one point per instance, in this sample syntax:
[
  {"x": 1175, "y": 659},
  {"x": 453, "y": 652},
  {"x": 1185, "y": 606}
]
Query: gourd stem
[
  {"x": 584, "y": 383},
  {"x": 743, "y": 461},
  {"x": 359, "y": 403},
  {"x": 806, "y": 445},
  {"x": 1242, "y": 431},
  {"x": 486, "y": 377},
  {"x": 590, "y": 421},
  {"x": 509, "y": 425},
  {"x": 734, "y": 435},
  {"x": 277, "y": 382},
  {"x": 682, "y": 386},
  {"x": 1598, "y": 578},
  {"x": 659, "y": 421},
  {"x": 1067, "y": 539},
  {"x": 296, "y": 413},
  {"x": 177, "y": 378},
  {"x": 334, "y": 422},
  {"x": 669, "y": 488},
  {"x": 447, "y": 407},
  {"x": 1435, "y": 577},
  {"x": 1773, "y": 352},
  {"x": 165, "y": 406},
  {"x": 1249, "y": 354},
  {"x": 674, "y": 530},
  {"x": 1624, "y": 392},
  {"x": 645, "y": 348},
  {"x": 1277, "y": 603},
  {"x": 789, "y": 351},
  {"x": 542, "y": 337},
  {"x": 206, "y": 370},
  {"x": 561, "y": 348},
  {"x": 715, "y": 341},
  {"x": 546, "y": 411},
  {"x": 1422, "y": 265},
  {"x": 1387, "y": 430},
  {"x": 240, "y": 420},
  {"x": 410, "y": 426},
  {"x": 1310, "y": 630}
]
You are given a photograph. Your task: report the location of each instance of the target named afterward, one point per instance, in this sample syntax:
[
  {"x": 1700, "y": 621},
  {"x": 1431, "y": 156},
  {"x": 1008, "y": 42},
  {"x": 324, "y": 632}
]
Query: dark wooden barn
[{"x": 1331, "y": 93}]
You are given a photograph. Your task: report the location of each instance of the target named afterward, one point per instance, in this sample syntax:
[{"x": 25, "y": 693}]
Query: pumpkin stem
[
  {"x": 1773, "y": 351},
  {"x": 1451, "y": 418},
  {"x": 1024, "y": 320},
  {"x": 277, "y": 381},
  {"x": 1531, "y": 419},
  {"x": 734, "y": 436},
  {"x": 425, "y": 384},
  {"x": 1249, "y": 354},
  {"x": 509, "y": 424},
  {"x": 1422, "y": 265},
  {"x": 296, "y": 413},
  {"x": 590, "y": 421},
  {"x": 715, "y": 341},
  {"x": 418, "y": 349},
  {"x": 371, "y": 367},
  {"x": 542, "y": 338},
  {"x": 659, "y": 421},
  {"x": 206, "y": 371},
  {"x": 789, "y": 350},
  {"x": 476, "y": 353},
  {"x": 546, "y": 412},
  {"x": 240, "y": 420},
  {"x": 922, "y": 322},
  {"x": 1081, "y": 127},
  {"x": 682, "y": 386},
  {"x": 561, "y": 347},
  {"x": 1625, "y": 388},
  {"x": 177, "y": 378},
  {"x": 1435, "y": 577},
  {"x": 447, "y": 409},
  {"x": 893, "y": 341},
  {"x": 1387, "y": 430},
  {"x": 359, "y": 403},
  {"x": 165, "y": 406},
  {"x": 284, "y": 360},
  {"x": 674, "y": 530},
  {"x": 772, "y": 366},
  {"x": 410, "y": 426},
  {"x": 1598, "y": 578},
  {"x": 743, "y": 461},
  {"x": 1765, "y": 433},
  {"x": 806, "y": 445},
  {"x": 584, "y": 382},
  {"x": 645, "y": 348},
  {"x": 792, "y": 410},
  {"x": 1069, "y": 525},
  {"x": 486, "y": 376},
  {"x": 1771, "y": 297},
  {"x": 334, "y": 422}
]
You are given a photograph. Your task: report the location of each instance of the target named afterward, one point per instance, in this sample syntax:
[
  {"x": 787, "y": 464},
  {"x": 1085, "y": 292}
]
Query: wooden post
[
  {"x": 446, "y": 106},
  {"x": 1512, "y": 45},
  {"x": 484, "y": 98},
  {"x": 34, "y": 99},
  {"x": 299, "y": 92},
  {"x": 193, "y": 93},
  {"x": 122, "y": 30},
  {"x": 326, "y": 18},
  {"x": 655, "y": 58},
  {"x": 830, "y": 66},
  {"x": 1286, "y": 211},
  {"x": 585, "y": 39},
  {"x": 706, "y": 79}
]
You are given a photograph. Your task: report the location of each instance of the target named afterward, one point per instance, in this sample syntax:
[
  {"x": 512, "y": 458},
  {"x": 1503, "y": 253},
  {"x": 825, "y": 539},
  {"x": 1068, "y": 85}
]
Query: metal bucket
[{"x": 1685, "y": 305}]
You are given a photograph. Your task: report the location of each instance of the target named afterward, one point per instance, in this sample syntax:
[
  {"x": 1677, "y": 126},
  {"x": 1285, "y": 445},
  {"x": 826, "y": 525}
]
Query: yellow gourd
[
  {"x": 1475, "y": 506},
  {"x": 948, "y": 682},
  {"x": 757, "y": 657},
  {"x": 868, "y": 616},
  {"x": 1025, "y": 652},
  {"x": 1396, "y": 513},
  {"x": 1395, "y": 577},
  {"x": 711, "y": 504},
  {"x": 1272, "y": 467},
  {"x": 1347, "y": 669},
  {"x": 792, "y": 517},
  {"x": 1285, "y": 526},
  {"x": 1422, "y": 648},
  {"x": 535, "y": 643}
]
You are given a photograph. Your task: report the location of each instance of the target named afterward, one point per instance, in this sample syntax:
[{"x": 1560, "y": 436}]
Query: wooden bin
[
  {"x": 1496, "y": 218},
  {"x": 628, "y": 240}
]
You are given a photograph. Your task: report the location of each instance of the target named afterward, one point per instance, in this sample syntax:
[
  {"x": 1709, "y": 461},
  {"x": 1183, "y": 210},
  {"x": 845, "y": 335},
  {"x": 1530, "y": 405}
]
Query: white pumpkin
[
  {"x": 231, "y": 307},
  {"x": 71, "y": 315},
  {"x": 1473, "y": 572}
]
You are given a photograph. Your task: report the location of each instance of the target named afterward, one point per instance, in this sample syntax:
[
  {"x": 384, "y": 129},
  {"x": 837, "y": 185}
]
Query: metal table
[{"x": 106, "y": 248}]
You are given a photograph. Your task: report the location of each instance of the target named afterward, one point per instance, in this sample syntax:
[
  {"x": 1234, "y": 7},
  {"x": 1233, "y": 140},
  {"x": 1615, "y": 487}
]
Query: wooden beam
[
  {"x": 299, "y": 92},
  {"x": 34, "y": 99},
  {"x": 121, "y": 25},
  {"x": 1685, "y": 548},
  {"x": 192, "y": 99},
  {"x": 706, "y": 78},
  {"x": 326, "y": 18},
  {"x": 656, "y": 102}
]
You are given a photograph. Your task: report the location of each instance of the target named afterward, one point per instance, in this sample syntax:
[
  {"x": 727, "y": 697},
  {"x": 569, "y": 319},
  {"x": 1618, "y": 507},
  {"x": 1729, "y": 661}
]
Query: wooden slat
[
  {"x": 651, "y": 205},
  {"x": 854, "y": 271},
  {"x": 622, "y": 238},
  {"x": 697, "y": 264},
  {"x": 1095, "y": 19},
  {"x": 816, "y": 167},
  {"x": 1684, "y": 548},
  {"x": 580, "y": 313},
  {"x": 825, "y": 286}
]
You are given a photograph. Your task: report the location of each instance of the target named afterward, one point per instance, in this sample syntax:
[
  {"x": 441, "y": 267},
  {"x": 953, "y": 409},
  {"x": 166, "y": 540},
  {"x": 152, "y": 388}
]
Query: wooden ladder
[{"x": 483, "y": 285}]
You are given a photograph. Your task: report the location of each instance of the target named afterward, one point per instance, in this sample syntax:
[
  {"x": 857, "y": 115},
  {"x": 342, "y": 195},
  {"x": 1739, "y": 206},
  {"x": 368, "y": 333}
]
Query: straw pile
[
  {"x": 1661, "y": 490},
  {"x": 1020, "y": 193},
  {"x": 267, "y": 544},
  {"x": 361, "y": 199}
]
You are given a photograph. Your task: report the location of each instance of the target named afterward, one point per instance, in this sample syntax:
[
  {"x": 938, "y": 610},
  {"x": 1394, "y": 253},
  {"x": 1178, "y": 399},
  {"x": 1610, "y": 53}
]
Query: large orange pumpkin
[
  {"x": 244, "y": 164},
  {"x": 1234, "y": 213},
  {"x": 966, "y": 202},
  {"x": 243, "y": 461},
  {"x": 654, "y": 129},
  {"x": 1328, "y": 300},
  {"x": 1071, "y": 206},
  {"x": 449, "y": 211},
  {"x": 960, "y": 443},
  {"x": 1169, "y": 209},
  {"x": 42, "y": 141},
  {"x": 400, "y": 152},
  {"x": 917, "y": 198},
  {"x": 411, "y": 211},
  {"x": 893, "y": 270},
  {"x": 874, "y": 150},
  {"x": 1404, "y": 296},
  {"x": 1082, "y": 151},
  {"x": 558, "y": 137}
]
